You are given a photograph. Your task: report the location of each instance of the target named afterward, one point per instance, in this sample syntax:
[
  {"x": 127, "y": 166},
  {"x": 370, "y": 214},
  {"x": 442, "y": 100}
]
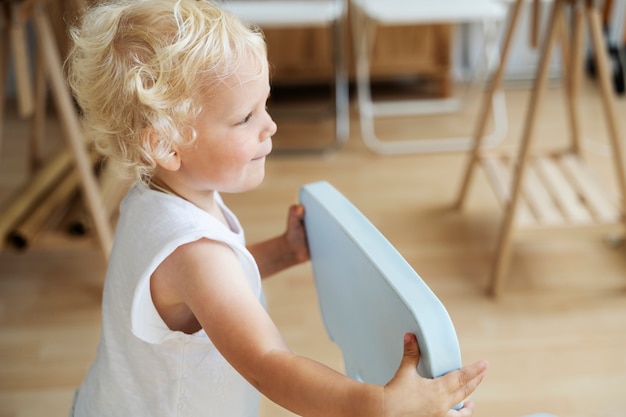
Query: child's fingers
[
  {"x": 296, "y": 233},
  {"x": 463, "y": 382},
  {"x": 296, "y": 211},
  {"x": 466, "y": 411}
]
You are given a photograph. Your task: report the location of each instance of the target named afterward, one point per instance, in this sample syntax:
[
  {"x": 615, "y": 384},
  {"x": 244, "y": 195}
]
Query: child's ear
[{"x": 171, "y": 162}]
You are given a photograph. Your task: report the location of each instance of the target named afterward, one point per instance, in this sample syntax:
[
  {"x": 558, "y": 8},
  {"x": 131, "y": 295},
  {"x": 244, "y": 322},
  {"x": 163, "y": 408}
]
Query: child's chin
[{"x": 254, "y": 182}]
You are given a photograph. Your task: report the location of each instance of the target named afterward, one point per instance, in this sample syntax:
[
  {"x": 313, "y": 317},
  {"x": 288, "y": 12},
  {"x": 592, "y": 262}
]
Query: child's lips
[{"x": 264, "y": 154}]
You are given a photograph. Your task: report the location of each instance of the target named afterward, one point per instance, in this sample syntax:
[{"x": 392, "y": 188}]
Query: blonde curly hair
[{"x": 140, "y": 64}]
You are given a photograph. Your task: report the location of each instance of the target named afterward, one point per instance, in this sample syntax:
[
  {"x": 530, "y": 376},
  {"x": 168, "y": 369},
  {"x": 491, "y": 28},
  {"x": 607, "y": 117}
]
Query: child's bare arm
[
  {"x": 285, "y": 250},
  {"x": 209, "y": 280}
]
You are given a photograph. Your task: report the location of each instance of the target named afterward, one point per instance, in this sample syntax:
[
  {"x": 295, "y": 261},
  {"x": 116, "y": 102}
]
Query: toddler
[{"x": 174, "y": 94}]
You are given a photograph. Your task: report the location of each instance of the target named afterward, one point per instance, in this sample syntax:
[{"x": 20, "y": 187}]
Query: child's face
[{"x": 234, "y": 135}]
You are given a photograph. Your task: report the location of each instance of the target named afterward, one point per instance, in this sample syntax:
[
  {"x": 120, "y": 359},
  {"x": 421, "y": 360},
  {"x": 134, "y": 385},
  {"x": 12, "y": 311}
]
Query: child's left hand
[
  {"x": 296, "y": 234},
  {"x": 285, "y": 250}
]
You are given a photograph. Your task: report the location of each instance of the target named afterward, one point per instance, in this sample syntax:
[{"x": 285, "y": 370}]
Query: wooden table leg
[
  {"x": 503, "y": 247},
  {"x": 487, "y": 101},
  {"x": 73, "y": 131},
  {"x": 22, "y": 66},
  {"x": 4, "y": 62},
  {"x": 608, "y": 97}
]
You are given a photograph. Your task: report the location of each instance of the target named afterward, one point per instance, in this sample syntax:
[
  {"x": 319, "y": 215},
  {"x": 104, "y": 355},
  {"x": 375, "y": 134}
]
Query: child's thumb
[{"x": 411, "y": 354}]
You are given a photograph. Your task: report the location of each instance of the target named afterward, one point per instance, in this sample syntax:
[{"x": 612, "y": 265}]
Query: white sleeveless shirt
[{"x": 142, "y": 368}]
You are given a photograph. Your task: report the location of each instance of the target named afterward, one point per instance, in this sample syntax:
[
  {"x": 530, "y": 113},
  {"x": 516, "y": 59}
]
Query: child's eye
[{"x": 245, "y": 119}]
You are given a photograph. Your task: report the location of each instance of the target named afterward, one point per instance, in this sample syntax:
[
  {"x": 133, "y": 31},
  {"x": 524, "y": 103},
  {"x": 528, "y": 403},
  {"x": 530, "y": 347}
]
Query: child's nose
[{"x": 273, "y": 127}]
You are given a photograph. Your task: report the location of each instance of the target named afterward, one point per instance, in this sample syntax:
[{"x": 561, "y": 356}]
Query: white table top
[
  {"x": 285, "y": 13},
  {"x": 432, "y": 11}
]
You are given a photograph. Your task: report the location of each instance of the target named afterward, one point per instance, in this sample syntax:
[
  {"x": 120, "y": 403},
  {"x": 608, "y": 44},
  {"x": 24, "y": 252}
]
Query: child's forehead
[
  {"x": 249, "y": 69},
  {"x": 246, "y": 85}
]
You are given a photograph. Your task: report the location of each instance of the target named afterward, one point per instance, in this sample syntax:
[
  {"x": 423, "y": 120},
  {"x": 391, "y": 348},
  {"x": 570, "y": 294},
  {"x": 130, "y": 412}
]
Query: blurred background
[{"x": 554, "y": 334}]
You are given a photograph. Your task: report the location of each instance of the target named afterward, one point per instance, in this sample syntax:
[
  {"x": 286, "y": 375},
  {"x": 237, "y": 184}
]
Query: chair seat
[
  {"x": 429, "y": 11},
  {"x": 289, "y": 13}
]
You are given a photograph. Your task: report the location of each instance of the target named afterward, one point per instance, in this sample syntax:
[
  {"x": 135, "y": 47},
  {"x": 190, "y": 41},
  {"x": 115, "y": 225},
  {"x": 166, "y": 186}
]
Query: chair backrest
[{"x": 369, "y": 295}]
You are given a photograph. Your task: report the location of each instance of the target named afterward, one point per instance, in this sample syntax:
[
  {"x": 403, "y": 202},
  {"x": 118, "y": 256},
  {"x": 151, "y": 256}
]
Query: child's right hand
[{"x": 409, "y": 394}]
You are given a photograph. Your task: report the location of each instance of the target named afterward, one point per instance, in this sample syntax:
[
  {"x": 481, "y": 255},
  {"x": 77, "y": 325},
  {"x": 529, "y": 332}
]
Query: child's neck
[
  {"x": 209, "y": 204},
  {"x": 157, "y": 185}
]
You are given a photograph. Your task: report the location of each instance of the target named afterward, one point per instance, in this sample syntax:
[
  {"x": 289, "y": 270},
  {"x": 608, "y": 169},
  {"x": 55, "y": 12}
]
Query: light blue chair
[{"x": 370, "y": 296}]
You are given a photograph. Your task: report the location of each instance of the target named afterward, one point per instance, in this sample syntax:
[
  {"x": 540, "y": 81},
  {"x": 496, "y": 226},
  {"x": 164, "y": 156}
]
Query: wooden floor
[{"x": 556, "y": 339}]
